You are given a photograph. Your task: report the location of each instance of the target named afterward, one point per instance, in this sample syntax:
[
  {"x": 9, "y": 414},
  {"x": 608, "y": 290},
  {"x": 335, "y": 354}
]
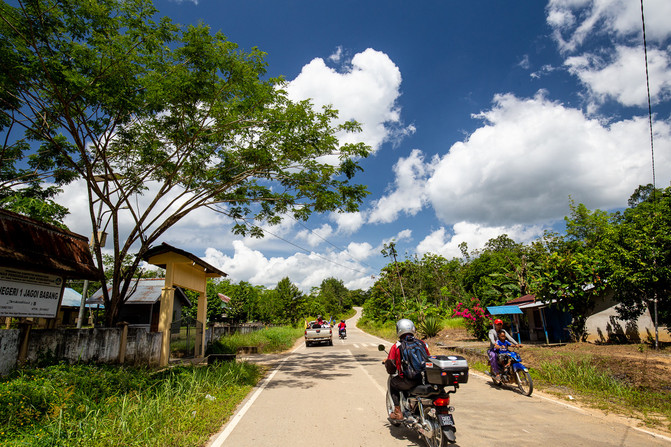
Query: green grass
[
  {"x": 274, "y": 339},
  {"x": 602, "y": 390},
  {"x": 453, "y": 323},
  {"x": 385, "y": 330},
  {"x": 92, "y": 405},
  {"x": 99, "y": 405}
]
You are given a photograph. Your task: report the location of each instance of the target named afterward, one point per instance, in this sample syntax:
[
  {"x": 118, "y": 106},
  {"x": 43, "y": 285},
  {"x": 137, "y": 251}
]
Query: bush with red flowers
[{"x": 477, "y": 320}]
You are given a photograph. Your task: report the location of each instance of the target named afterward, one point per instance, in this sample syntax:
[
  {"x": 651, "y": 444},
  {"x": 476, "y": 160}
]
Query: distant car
[{"x": 318, "y": 333}]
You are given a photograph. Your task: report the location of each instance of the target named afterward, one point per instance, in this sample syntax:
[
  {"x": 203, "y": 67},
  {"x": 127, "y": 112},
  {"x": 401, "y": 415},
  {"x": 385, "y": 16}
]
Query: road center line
[{"x": 377, "y": 385}]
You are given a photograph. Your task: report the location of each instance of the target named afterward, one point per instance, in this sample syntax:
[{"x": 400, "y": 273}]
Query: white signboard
[{"x": 29, "y": 294}]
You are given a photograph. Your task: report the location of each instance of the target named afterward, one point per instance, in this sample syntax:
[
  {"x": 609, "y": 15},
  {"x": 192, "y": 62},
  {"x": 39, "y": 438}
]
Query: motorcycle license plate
[{"x": 446, "y": 419}]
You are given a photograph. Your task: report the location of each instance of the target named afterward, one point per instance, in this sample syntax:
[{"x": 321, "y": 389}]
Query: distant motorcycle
[
  {"x": 342, "y": 333},
  {"x": 514, "y": 373},
  {"x": 427, "y": 407}
]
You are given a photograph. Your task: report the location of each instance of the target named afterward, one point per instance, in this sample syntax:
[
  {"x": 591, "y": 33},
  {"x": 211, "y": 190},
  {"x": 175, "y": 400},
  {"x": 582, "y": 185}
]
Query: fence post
[
  {"x": 123, "y": 341},
  {"x": 165, "y": 322},
  {"x": 24, "y": 326}
]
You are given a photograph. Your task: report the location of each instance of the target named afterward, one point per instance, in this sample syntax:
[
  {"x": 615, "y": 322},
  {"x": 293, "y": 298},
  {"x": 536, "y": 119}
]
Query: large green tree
[
  {"x": 132, "y": 105},
  {"x": 573, "y": 271},
  {"x": 572, "y": 279},
  {"x": 290, "y": 300},
  {"x": 334, "y": 296},
  {"x": 640, "y": 255},
  {"x": 498, "y": 272}
]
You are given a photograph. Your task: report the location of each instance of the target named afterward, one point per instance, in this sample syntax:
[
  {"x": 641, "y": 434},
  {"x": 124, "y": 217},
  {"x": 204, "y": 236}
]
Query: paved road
[{"x": 334, "y": 396}]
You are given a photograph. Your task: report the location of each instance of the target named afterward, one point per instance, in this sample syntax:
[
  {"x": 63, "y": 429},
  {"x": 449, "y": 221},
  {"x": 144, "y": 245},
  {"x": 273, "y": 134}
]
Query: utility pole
[{"x": 392, "y": 252}]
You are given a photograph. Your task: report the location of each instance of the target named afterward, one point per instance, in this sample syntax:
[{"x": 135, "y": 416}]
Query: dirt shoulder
[{"x": 639, "y": 366}]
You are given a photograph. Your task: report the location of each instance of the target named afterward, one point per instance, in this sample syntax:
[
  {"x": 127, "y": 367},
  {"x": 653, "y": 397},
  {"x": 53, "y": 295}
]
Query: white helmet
[{"x": 405, "y": 326}]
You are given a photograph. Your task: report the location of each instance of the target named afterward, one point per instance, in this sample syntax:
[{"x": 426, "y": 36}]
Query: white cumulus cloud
[
  {"x": 348, "y": 223},
  {"x": 622, "y": 77},
  {"x": 475, "y": 236},
  {"x": 602, "y": 41},
  {"x": 532, "y": 154},
  {"x": 304, "y": 270},
  {"x": 408, "y": 195},
  {"x": 315, "y": 237},
  {"x": 364, "y": 90}
]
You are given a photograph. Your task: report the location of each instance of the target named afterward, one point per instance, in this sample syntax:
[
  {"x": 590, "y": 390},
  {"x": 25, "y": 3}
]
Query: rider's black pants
[{"x": 398, "y": 384}]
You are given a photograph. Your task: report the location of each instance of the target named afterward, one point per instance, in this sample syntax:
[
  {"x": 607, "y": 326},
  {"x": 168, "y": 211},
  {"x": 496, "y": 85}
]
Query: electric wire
[
  {"x": 265, "y": 230},
  {"x": 647, "y": 83},
  {"x": 330, "y": 243},
  {"x": 652, "y": 153},
  {"x": 316, "y": 254}
]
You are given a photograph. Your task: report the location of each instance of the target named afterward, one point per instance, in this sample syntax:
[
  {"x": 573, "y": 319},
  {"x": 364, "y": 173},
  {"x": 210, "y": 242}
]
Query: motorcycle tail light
[{"x": 442, "y": 402}]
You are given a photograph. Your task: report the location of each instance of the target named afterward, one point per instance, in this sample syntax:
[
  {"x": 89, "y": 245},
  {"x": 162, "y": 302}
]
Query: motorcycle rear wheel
[
  {"x": 438, "y": 439},
  {"x": 524, "y": 382}
]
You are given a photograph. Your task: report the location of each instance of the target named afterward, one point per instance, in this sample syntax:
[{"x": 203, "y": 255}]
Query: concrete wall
[
  {"x": 9, "y": 350},
  {"x": 605, "y": 326},
  {"x": 99, "y": 345}
]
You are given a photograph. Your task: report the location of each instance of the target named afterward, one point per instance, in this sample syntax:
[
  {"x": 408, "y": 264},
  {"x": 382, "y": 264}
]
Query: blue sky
[{"x": 485, "y": 116}]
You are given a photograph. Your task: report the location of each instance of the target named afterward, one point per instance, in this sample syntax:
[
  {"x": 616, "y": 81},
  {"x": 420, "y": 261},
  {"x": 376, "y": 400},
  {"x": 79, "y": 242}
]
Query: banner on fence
[{"x": 29, "y": 294}]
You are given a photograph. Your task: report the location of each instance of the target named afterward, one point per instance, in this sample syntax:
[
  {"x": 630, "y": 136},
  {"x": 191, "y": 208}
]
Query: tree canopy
[
  {"x": 159, "y": 120},
  {"x": 624, "y": 254}
]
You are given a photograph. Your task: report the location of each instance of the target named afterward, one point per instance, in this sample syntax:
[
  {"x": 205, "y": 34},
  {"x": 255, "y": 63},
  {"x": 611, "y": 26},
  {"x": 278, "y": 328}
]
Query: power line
[
  {"x": 215, "y": 208},
  {"x": 316, "y": 254},
  {"x": 652, "y": 153},
  {"x": 330, "y": 243},
  {"x": 647, "y": 83}
]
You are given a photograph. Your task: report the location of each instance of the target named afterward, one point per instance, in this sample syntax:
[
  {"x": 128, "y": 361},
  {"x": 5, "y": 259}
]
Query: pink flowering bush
[{"x": 478, "y": 321}]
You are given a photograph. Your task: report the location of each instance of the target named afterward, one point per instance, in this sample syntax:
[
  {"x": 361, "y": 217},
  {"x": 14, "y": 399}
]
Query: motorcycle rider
[
  {"x": 501, "y": 347},
  {"x": 342, "y": 326},
  {"x": 492, "y": 352},
  {"x": 404, "y": 328}
]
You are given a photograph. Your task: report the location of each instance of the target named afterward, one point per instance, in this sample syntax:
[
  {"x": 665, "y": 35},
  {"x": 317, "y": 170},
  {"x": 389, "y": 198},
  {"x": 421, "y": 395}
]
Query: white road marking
[
  {"x": 219, "y": 441},
  {"x": 377, "y": 385}
]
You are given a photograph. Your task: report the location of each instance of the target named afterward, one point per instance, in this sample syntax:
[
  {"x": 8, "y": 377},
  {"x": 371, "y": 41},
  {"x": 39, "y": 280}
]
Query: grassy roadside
[
  {"x": 387, "y": 330},
  {"x": 102, "y": 405},
  {"x": 274, "y": 339}
]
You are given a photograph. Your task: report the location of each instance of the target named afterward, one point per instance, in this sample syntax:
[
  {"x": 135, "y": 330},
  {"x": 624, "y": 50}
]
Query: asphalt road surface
[{"x": 335, "y": 396}]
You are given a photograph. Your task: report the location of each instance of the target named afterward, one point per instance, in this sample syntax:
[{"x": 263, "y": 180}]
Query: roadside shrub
[
  {"x": 476, "y": 318},
  {"x": 430, "y": 326}
]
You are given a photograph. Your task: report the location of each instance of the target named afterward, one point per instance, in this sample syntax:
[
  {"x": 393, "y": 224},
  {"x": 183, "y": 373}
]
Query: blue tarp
[{"x": 503, "y": 310}]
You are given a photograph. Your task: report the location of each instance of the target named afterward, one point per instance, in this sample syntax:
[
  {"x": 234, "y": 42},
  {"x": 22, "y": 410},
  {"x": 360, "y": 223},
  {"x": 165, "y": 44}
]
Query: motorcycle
[
  {"x": 426, "y": 407},
  {"x": 342, "y": 333},
  {"x": 514, "y": 373}
]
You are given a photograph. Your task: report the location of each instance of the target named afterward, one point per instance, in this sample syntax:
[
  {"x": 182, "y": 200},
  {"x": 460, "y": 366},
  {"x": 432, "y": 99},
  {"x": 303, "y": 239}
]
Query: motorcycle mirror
[{"x": 380, "y": 347}]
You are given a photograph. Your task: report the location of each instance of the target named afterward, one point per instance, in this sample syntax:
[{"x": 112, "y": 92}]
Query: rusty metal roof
[
  {"x": 32, "y": 245},
  {"x": 165, "y": 248},
  {"x": 526, "y": 299},
  {"x": 148, "y": 291}
]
